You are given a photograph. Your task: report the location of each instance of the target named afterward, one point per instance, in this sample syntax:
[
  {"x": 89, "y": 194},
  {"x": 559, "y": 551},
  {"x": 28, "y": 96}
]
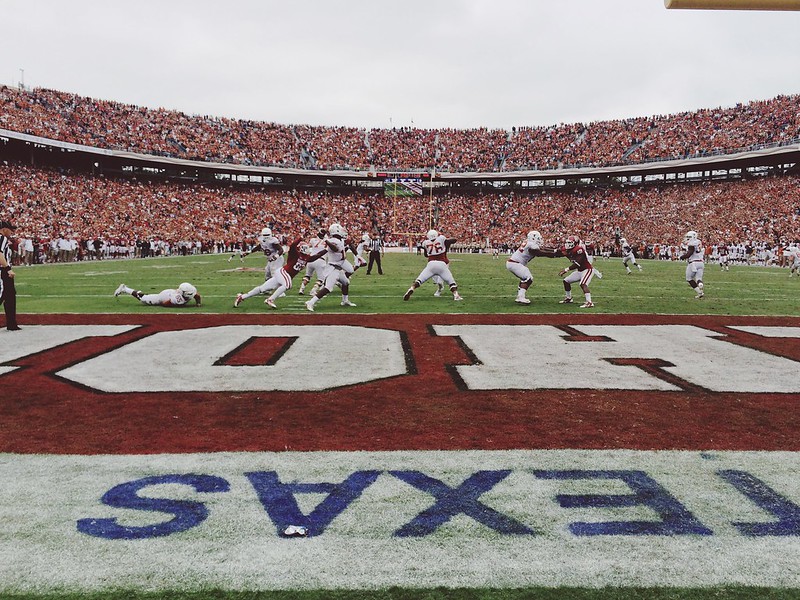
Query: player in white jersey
[
  {"x": 517, "y": 263},
  {"x": 179, "y": 297},
  {"x": 338, "y": 270},
  {"x": 435, "y": 248},
  {"x": 272, "y": 249},
  {"x": 792, "y": 258},
  {"x": 628, "y": 257},
  {"x": 316, "y": 267},
  {"x": 695, "y": 265}
]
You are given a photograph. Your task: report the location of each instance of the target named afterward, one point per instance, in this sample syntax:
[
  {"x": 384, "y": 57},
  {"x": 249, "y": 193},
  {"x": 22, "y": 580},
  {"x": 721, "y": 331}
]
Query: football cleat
[
  {"x": 238, "y": 301},
  {"x": 438, "y": 293},
  {"x": 565, "y": 301},
  {"x": 587, "y": 305},
  {"x": 347, "y": 303},
  {"x": 457, "y": 297},
  {"x": 270, "y": 303},
  {"x": 599, "y": 275},
  {"x": 120, "y": 290},
  {"x": 407, "y": 295},
  {"x": 522, "y": 301},
  {"x": 309, "y": 306}
]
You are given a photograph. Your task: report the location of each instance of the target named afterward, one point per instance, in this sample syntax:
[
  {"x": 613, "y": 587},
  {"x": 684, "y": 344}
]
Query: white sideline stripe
[{"x": 237, "y": 547}]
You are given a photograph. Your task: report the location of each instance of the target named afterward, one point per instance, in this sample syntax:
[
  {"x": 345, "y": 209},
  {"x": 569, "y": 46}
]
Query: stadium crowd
[
  {"x": 112, "y": 125},
  {"x": 128, "y": 217}
]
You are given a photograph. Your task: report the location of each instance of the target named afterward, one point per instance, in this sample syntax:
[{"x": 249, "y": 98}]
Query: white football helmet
[
  {"x": 690, "y": 235},
  {"x": 266, "y": 232},
  {"x": 304, "y": 249},
  {"x": 623, "y": 242},
  {"x": 187, "y": 290},
  {"x": 432, "y": 234},
  {"x": 337, "y": 230},
  {"x": 535, "y": 236}
]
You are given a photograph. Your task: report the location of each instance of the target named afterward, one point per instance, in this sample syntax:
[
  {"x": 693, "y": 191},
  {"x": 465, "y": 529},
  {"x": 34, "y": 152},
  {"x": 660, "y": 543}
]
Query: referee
[
  {"x": 8, "y": 294},
  {"x": 375, "y": 252}
]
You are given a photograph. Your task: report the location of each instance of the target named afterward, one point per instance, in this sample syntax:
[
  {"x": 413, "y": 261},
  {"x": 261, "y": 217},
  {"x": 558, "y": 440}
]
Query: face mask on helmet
[
  {"x": 571, "y": 242},
  {"x": 432, "y": 234},
  {"x": 691, "y": 235},
  {"x": 266, "y": 232}
]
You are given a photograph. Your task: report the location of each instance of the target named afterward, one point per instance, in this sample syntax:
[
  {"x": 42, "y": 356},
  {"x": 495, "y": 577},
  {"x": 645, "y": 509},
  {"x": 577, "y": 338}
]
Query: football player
[
  {"x": 580, "y": 270},
  {"x": 179, "y": 297},
  {"x": 435, "y": 247},
  {"x": 695, "y": 266},
  {"x": 315, "y": 267},
  {"x": 299, "y": 255},
  {"x": 792, "y": 257},
  {"x": 338, "y": 270},
  {"x": 272, "y": 249},
  {"x": 517, "y": 263},
  {"x": 628, "y": 257}
]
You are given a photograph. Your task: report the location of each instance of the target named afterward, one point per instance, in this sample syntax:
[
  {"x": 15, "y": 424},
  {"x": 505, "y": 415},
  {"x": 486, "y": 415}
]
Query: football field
[{"x": 646, "y": 448}]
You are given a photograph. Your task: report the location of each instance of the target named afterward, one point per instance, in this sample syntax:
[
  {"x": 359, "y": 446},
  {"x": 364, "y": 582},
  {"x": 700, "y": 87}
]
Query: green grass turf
[{"x": 488, "y": 288}]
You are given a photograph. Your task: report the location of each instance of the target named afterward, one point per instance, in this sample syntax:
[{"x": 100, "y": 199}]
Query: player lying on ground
[{"x": 179, "y": 297}]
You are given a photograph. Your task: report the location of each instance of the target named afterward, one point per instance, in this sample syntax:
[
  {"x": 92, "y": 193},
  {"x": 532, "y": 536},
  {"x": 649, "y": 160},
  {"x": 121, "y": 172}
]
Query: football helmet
[
  {"x": 337, "y": 230},
  {"x": 690, "y": 235},
  {"x": 535, "y": 236},
  {"x": 187, "y": 290},
  {"x": 266, "y": 232},
  {"x": 432, "y": 234},
  {"x": 304, "y": 249},
  {"x": 365, "y": 237},
  {"x": 623, "y": 242},
  {"x": 571, "y": 242}
]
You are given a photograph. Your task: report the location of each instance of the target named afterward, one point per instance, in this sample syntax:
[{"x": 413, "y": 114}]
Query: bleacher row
[{"x": 112, "y": 125}]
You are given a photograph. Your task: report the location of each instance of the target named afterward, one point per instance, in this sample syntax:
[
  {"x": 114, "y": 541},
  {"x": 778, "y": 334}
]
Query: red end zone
[{"x": 430, "y": 407}]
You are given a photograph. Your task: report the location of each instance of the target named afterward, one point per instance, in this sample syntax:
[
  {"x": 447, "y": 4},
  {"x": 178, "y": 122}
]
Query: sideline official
[
  {"x": 375, "y": 253},
  {"x": 8, "y": 293}
]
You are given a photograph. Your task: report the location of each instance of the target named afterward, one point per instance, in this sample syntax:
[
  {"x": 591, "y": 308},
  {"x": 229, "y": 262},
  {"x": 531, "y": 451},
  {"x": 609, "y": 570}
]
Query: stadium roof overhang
[{"x": 779, "y": 154}]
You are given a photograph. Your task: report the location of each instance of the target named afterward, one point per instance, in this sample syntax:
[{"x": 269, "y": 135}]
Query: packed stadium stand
[{"x": 79, "y": 167}]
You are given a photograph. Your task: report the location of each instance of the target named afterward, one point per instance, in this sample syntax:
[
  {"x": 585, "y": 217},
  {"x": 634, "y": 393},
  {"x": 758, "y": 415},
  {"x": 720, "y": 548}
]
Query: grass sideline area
[{"x": 487, "y": 287}]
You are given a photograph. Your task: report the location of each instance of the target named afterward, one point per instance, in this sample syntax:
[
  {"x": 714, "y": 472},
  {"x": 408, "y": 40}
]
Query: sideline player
[
  {"x": 695, "y": 265},
  {"x": 517, "y": 263},
  {"x": 338, "y": 270},
  {"x": 580, "y": 270},
  {"x": 299, "y": 255},
  {"x": 628, "y": 257},
  {"x": 435, "y": 248},
  {"x": 179, "y": 297}
]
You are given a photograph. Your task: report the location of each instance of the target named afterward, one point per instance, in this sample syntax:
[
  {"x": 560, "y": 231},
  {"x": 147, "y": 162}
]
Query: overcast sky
[{"x": 431, "y": 63}]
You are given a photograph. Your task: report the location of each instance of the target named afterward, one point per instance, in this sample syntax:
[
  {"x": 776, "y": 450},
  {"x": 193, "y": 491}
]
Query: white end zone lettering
[
  {"x": 617, "y": 357},
  {"x": 38, "y": 338},
  {"x": 320, "y": 358}
]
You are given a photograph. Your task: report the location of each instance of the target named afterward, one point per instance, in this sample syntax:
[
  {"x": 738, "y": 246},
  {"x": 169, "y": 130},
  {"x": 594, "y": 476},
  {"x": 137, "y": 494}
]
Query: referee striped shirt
[
  {"x": 375, "y": 244},
  {"x": 5, "y": 248}
]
